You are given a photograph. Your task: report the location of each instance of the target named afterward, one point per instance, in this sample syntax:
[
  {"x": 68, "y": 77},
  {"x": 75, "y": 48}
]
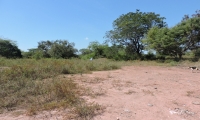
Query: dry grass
[
  {"x": 87, "y": 111},
  {"x": 33, "y": 84},
  {"x": 146, "y": 92},
  {"x": 95, "y": 80},
  {"x": 189, "y": 93},
  {"x": 98, "y": 92},
  {"x": 129, "y": 92},
  {"x": 93, "y": 92}
]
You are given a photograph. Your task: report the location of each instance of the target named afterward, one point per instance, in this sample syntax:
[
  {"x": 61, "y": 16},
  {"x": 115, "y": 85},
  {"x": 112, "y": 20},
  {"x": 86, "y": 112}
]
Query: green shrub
[{"x": 149, "y": 56}]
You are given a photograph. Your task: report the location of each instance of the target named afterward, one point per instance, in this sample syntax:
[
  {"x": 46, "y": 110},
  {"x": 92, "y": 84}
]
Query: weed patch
[{"x": 87, "y": 111}]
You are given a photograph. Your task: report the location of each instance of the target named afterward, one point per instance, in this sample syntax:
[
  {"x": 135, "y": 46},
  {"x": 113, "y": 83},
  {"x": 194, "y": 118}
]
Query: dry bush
[{"x": 87, "y": 111}]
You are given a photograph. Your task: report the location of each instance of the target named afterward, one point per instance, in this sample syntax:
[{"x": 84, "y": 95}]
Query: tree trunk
[{"x": 180, "y": 56}]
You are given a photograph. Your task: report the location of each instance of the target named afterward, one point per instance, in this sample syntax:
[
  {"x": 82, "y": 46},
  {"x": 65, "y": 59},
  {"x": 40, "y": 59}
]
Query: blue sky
[{"x": 80, "y": 21}]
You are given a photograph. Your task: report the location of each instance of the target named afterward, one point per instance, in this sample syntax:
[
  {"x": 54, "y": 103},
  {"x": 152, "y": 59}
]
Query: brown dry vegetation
[
  {"x": 34, "y": 85},
  {"x": 60, "y": 89}
]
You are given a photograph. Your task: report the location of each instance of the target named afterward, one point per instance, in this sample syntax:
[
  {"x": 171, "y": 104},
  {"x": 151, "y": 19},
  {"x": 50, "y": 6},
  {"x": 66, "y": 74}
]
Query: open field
[
  {"x": 141, "y": 90},
  {"x": 146, "y": 93}
]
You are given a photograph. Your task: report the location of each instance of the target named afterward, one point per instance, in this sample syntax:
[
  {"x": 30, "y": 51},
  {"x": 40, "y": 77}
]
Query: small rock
[
  {"x": 126, "y": 110},
  {"x": 196, "y": 103},
  {"x": 189, "y": 112},
  {"x": 150, "y": 105}
]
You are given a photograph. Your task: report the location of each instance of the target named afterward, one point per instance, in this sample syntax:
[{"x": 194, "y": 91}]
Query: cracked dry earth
[{"x": 143, "y": 93}]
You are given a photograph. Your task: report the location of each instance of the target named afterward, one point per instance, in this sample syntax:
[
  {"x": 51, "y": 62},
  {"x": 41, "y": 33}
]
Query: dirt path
[
  {"x": 146, "y": 93},
  {"x": 142, "y": 93}
]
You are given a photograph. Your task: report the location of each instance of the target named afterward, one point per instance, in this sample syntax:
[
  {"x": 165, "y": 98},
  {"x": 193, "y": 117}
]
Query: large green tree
[
  {"x": 9, "y": 49},
  {"x": 130, "y": 29},
  {"x": 177, "y": 40}
]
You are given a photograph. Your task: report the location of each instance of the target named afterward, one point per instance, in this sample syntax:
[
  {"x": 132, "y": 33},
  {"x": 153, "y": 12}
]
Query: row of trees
[
  {"x": 52, "y": 49},
  {"x": 45, "y": 49},
  {"x": 136, "y": 32},
  {"x": 132, "y": 34},
  {"x": 139, "y": 31},
  {"x": 97, "y": 50}
]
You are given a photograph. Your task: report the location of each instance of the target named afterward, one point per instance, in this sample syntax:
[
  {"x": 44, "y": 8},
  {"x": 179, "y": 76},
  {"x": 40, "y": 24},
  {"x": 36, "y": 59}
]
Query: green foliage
[
  {"x": 158, "y": 39},
  {"x": 130, "y": 29},
  {"x": 37, "y": 55},
  {"x": 98, "y": 49},
  {"x": 160, "y": 58},
  {"x": 175, "y": 41},
  {"x": 95, "y": 50},
  {"x": 197, "y": 53},
  {"x": 45, "y": 46},
  {"x": 57, "y": 49},
  {"x": 9, "y": 49},
  {"x": 87, "y": 56},
  {"x": 149, "y": 56},
  {"x": 30, "y": 53},
  {"x": 85, "y": 51},
  {"x": 116, "y": 52}
]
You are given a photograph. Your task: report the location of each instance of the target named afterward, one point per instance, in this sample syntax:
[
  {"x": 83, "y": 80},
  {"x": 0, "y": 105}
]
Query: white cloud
[{"x": 86, "y": 38}]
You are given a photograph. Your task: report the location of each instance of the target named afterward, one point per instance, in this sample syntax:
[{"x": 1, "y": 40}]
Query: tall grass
[{"x": 33, "y": 84}]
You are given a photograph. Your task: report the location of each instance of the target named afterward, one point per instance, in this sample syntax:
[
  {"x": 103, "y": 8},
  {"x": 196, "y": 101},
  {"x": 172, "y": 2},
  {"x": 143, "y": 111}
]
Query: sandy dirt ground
[{"x": 137, "y": 93}]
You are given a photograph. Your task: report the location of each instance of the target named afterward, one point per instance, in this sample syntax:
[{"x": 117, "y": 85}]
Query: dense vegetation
[
  {"x": 52, "y": 49},
  {"x": 9, "y": 49},
  {"x": 176, "y": 41}
]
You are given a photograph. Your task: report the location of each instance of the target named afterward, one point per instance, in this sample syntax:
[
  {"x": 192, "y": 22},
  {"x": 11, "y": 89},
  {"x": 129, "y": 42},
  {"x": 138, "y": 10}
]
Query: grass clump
[{"x": 87, "y": 111}]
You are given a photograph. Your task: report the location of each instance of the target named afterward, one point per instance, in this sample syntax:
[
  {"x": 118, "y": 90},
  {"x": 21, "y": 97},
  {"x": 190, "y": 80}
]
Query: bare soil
[{"x": 137, "y": 93}]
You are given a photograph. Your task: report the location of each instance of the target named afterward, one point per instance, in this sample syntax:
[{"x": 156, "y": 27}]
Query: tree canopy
[
  {"x": 177, "y": 40},
  {"x": 57, "y": 49},
  {"x": 94, "y": 50},
  {"x": 9, "y": 49},
  {"x": 130, "y": 29}
]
